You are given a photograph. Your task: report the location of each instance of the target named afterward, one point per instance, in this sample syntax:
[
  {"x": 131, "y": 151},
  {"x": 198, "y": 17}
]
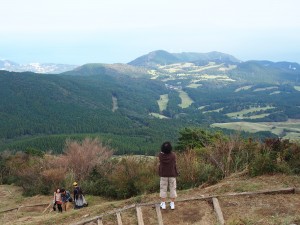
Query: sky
[{"x": 118, "y": 31}]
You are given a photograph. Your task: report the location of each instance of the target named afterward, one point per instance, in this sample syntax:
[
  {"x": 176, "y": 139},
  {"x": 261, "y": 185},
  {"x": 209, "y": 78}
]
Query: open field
[
  {"x": 230, "y": 67},
  {"x": 210, "y": 111},
  {"x": 265, "y": 89},
  {"x": 193, "y": 85},
  {"x": 244, "y": 88},
  {"x": 186, "y": 101},
  {"x": 275, "y": 92},
  {"x": 287, "y": 130},
  {"x": 159, "y": 116},
  {"x": 215, "y": 77},
  {"x": 114, "y": 103},
  {"x": 163, "y": 102},
  {"x": 241, "y": 114}
]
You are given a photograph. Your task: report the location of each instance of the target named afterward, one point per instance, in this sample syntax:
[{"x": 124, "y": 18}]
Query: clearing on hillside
[
  {"x": 186, "y": 101},
  {"x": 286, "y": 130},
  {"x": 163, "y": 102}
]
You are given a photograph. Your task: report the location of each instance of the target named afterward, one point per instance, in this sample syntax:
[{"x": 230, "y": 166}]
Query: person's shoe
[
  {"x": 172, "y": 205},
  {"x": 163, "y": 205}
]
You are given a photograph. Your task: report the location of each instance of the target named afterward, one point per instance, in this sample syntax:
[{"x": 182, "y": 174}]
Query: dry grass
[
  {"x": 262, "y": 209},
  {"x": 163, "y": 102},
  {"x": 186, "y": 101}
]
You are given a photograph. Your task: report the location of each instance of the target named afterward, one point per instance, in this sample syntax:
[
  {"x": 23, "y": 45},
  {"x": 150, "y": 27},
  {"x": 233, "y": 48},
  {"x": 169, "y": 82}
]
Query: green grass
[
  {"x": 241, "y": 114},
  {"x": 163, "y": 102},
  {"x": 186, "y": 101},
  {"x": 287, "y": 130}
]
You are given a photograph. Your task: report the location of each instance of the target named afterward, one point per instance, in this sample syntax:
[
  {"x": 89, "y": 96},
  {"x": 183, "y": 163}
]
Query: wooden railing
[{"x": 213, "y": 198}]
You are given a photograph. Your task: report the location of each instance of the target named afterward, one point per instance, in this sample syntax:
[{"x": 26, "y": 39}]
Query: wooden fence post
[
  {"x": 218, "y": 211},
  {"x": 159, "y": 216},
  {"x": 99, "y": 221},
  {"x": 119, "y": 218},
  {"x": 139, "y": 215}
]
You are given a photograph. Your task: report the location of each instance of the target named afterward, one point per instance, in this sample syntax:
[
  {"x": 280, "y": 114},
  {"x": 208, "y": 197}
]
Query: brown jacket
[{"x": 167, "y": 165}]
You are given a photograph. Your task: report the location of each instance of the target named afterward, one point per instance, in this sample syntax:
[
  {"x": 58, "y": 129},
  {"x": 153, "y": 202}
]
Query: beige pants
[
  {"x": 164, "y": 183},
  {"x": 67, "y": 206}
]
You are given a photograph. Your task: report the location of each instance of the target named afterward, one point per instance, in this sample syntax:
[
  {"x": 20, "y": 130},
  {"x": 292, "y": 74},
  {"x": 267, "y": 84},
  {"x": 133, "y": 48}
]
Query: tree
[{"x": 192, "y": 138}]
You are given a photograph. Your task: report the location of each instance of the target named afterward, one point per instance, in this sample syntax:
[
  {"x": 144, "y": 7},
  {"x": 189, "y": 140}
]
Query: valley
[{"x": 146, "y": 98}]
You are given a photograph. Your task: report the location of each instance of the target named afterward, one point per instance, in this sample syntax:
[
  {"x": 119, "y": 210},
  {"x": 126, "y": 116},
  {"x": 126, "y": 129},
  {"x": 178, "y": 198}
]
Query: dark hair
[{"x": 166, "y": 147}]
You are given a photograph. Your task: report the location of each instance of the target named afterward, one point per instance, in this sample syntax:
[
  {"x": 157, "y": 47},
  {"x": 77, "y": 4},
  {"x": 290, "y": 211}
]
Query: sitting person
[{"x": 79, "y": 199}]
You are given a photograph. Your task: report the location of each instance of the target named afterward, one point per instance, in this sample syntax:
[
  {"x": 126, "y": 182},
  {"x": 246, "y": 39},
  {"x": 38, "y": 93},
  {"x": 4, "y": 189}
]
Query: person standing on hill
[
  {"x": 168, "y": 173},
  {"x": 57, "y": 199}
]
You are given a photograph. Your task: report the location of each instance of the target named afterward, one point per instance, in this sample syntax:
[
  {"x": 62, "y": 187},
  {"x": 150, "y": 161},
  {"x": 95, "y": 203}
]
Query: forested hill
[
  {"x": 35, "y": 104},
  {"x": 161, "y": 57},
  {"x": 138, "y": 105},
  {"x": 117, "y": 69}
]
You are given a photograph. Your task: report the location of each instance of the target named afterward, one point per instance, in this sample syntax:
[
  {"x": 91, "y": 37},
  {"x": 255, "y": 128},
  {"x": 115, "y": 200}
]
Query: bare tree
[{"x": 81, "y": 158}]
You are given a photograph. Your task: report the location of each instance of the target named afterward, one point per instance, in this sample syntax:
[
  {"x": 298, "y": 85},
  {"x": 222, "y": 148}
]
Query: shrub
[
  {"x": 81, "y": 158},
  {"x": 133, "y": 175}
]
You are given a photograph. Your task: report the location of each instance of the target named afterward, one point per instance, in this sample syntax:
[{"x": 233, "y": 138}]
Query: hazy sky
[{"x": 109, "y": 31}]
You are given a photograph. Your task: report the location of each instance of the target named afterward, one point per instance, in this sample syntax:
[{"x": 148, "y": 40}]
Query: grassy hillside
[{"x": 263, "y": 209}]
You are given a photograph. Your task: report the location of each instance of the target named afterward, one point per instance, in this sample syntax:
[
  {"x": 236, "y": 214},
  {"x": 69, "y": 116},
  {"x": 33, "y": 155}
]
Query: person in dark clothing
[
  {"x": 168, "y": 173},
  {"x": 79, "y": 199}
]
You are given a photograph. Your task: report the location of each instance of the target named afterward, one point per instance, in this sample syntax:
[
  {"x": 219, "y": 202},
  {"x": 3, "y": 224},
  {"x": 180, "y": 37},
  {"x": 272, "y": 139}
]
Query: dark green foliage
[
  {"x": 34, "y": 152},
  {"x": 79, "y": 102},
  {"x": 163, "y": 57},
  {"x": 153, "y": 58},
  {"x": 275, "y": 155},
  {"x": 195, "y": 138}
]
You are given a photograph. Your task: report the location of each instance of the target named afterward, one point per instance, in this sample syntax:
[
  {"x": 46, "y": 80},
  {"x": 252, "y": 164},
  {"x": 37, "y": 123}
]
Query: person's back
[
  {"x": 167, "y": 165},
  {"x": 78, "y": 196},
  {"x": 168, "y": 173},
  {"x": 77, "y": 192}
]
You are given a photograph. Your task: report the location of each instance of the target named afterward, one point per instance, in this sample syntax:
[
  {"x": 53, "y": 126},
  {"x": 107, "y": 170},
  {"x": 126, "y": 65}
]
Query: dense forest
[{"x": 119, "y": 103}]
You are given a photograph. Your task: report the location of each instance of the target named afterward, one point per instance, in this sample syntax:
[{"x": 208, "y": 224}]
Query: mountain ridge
[{"x": 163, "y": 57}]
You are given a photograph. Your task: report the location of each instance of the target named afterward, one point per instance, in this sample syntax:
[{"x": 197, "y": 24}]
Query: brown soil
[{"x": 238, "y": 210}]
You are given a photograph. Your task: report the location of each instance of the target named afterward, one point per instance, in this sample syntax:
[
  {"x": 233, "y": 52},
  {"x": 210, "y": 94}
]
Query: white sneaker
[
  {"x": 163, "y": 205},
  {"x": 172, "y": 205}
]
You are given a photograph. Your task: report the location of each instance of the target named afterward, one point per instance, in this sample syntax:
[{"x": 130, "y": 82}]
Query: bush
[
  {"x": 81, "y": 158},
  {"x": 134, "y": 175},
  {"x": 193, "y": 170}
]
